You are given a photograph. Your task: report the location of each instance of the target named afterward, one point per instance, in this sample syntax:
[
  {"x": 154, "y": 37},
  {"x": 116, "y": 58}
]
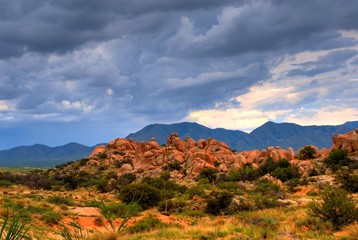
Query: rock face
[
  {"x": 186, "y": 158},
  {"x": 348, "y": 141},
  {"x": 183, "y": 158}
]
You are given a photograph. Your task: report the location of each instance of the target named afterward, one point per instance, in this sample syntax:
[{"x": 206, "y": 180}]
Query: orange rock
[
  {"x": 126, "y": 168},
  {"x": 290, "y": 154},
  {"x": 253, "y": 156},
  {"x": 348, "y": 141},
  {"x": 202, "y": 143},
  {"x": 98, "y": 150}
]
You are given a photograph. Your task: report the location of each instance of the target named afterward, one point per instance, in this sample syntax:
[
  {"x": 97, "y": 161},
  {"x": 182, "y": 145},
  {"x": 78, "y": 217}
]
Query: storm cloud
[{"x": 116, "y": 66}]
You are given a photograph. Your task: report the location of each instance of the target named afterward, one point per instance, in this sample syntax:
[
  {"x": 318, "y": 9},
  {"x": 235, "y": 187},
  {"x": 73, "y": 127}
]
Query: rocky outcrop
[
  {"x": 347, "y": 141},
  {"x": 185, "y": 159}
]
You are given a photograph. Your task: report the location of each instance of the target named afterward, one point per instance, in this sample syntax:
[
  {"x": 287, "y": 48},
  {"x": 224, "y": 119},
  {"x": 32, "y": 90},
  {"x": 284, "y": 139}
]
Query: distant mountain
[
  {"x": 269, "y": 134},
  {"x": 43, "y": 156}
]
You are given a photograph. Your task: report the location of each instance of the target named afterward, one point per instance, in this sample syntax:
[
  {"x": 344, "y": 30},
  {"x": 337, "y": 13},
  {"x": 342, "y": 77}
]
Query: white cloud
[
  {"x": 234, "y": 118},
  {"x": 5, "y": 105},
  {"x": 331, "y": 115},
  {"x": 86, "y": 108}
]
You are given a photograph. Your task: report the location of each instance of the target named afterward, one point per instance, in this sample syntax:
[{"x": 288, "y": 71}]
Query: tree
[
  {"x": 307, "y": 152},
  {"x": 336, "y": 207},
  {"x": 209, "y": 173}
]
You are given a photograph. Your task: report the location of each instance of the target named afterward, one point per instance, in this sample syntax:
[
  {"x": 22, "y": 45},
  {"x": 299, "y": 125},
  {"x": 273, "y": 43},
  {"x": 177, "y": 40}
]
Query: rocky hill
[
  {"x": 269, "y": 134},
  {"x": 187, "y": 158}
]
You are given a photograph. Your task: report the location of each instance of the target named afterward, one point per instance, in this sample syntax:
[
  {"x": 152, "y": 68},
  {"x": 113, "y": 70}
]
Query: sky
[{"x": 89, "y": 71}]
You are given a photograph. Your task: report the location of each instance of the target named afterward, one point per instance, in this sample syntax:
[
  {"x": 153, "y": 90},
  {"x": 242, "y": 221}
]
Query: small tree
[
  {"x": 307, "y": 152},
  {"x": 336, "y": 207},
  {"x": 209, "y": 173},
  {"x": 337, "y": 158}
]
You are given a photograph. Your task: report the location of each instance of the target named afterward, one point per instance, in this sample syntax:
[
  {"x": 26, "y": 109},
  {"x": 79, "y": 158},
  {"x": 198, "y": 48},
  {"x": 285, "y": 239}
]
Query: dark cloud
[
  {"x": 138, "y": 62},
  {"x": 330, "y": 62},
  {"x": 269, "y": 26}
]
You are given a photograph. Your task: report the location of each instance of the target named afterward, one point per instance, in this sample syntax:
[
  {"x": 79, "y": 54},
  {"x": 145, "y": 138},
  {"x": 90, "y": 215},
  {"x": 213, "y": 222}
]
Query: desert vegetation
[{"x": 268, "y": 199}]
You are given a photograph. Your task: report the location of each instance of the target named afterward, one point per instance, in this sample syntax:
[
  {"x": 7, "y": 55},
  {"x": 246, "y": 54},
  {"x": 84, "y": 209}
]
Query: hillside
[
  {"x": 43, "y": 156},
  {"x": 269, "y": 134},
  {"x": 163, "y": 190}
]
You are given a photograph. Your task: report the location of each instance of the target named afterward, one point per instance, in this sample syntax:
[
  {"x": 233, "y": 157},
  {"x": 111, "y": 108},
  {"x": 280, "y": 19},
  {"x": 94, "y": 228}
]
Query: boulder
[
  {"x": 347, "y": 141},
  {"x": 98, "y": 150}
]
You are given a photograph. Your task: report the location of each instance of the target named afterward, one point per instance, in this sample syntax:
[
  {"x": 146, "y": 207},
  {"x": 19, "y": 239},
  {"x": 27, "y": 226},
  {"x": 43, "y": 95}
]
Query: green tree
[
  {"x": 336, "y": 207},
  {"x": 306, "y": 152}
]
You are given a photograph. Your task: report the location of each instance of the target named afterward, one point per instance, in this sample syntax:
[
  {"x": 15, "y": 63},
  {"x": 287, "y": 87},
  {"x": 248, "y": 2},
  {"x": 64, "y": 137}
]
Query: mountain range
[
  {"x": 269, "y": 134},
  {"x": 39, "y": 155},
  {"x": 284, "y": 135}
]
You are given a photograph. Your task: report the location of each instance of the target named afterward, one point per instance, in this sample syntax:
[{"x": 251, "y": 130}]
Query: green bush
[
  {"x": 348, "y": 179},
  {"x": 145, "y": 225},
  {"x": 209, "y": 173},
  {"x": 263, "y": 202},
  {"x": 171, "y": 206},
  {"x": 58, "y": 200},
  {"x": 234, "y": 187},
  {"x": 336, "y": 207},
  {"x": 246, "y": 173},
  {"x": 195, "y": 191},
  {"x": 337, "y": 158},
  {"x": 5, "y": 183},
  {"x": 126, "y": 179},
  {"x": 51, "y": 217},
  {"x": 306, "y": 152},
  {"x": 218, "y": 202},
  {"x": 120, "y": 209},
  {"x": 267, "y": 166},
  {"x": 144, "y": 194},
  {"x": 285, "y": 174}
]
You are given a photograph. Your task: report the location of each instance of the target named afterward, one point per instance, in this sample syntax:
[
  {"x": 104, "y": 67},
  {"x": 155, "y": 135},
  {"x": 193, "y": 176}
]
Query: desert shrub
[
  {"x": 285, "y": 173},
  {"x": 121, "y": 209},
  {"x": 246, "y": 173},
  {"x": 209, "y": 173},
  {"x": 265, "y": 195},
  {"x": 242, "y": 204},
  {"x": 218, "y": 202},
  {"x": 195, "y": 191},
  {"x": 144, "y": 194},
  {"x": 263, "y": 202},
  {"x": 234, "y": 187},
  {"x": 37, "y": 209},
  {"x": 102, "y": 186},
  {"x": 348, "y": 179},
  {"x": 171, "y": 206},
  {"x": 337, "y": 159},
  {"x": 58, "y": 200},
  {"x": 313, "y": 223},
  {"x": 336, "y": 207},
  {"x": 145, "y": 225},
  {"x": 267, "y": 166},
  {"x": 5, "y": 183},
  {"x": 126, "y": 179},
  {"x": 51, "y": 217},
  {"x": 281, "y": 169},
  {"x": 267, "y": 188},
  {"x": 306, "y": 152},
  {"x": 83, "y": 161},
  {"x": 167, "y": 188}
]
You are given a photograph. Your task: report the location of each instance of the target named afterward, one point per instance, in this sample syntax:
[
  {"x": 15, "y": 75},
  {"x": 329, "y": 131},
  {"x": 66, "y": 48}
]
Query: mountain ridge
[
  {"x": 269, "y": 134},
  {"x": 284, "y": 135}
]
